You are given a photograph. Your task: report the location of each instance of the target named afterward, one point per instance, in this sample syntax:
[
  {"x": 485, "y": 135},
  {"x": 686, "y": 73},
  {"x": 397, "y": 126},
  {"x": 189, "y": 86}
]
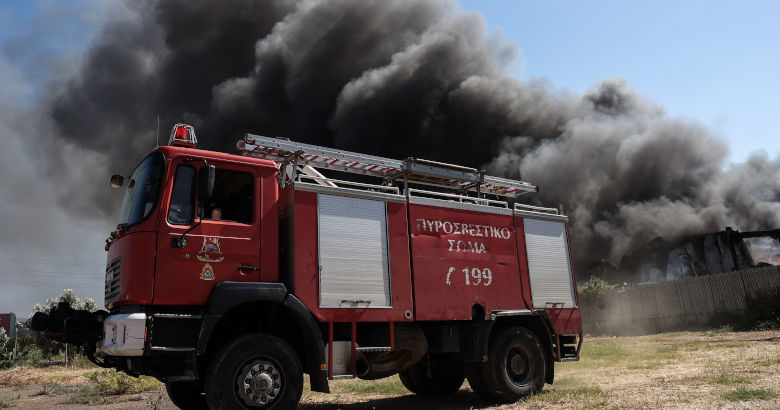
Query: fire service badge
[{"x": 210, "y": 251}]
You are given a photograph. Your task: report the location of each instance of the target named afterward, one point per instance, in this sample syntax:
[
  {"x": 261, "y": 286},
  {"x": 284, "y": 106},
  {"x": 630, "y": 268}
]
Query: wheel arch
[{"x": 238, "y": 308}]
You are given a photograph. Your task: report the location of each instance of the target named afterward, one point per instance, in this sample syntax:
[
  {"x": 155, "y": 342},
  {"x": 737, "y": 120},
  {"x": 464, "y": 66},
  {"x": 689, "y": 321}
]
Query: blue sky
[{"x": 714, "y": 62}]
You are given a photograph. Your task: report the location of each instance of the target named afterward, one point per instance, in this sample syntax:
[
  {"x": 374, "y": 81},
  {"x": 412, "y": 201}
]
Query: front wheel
[
  {"x": 515, "y": 366},
  {"x": 255, "y": 371},
  {"x": 186, "y": 395}
]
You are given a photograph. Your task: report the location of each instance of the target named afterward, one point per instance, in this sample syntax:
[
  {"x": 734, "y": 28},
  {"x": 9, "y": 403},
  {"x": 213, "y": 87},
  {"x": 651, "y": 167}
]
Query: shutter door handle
[{"x": 243, "y": 267}]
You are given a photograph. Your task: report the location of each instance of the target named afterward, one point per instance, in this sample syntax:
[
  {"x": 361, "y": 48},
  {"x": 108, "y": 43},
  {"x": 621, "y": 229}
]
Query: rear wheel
[
  {"x": 515, "y": 366},
  {"x": 255, "y": 371},
  {"x": 431, "y": 377},
  {"x": 186, "y": 395}
]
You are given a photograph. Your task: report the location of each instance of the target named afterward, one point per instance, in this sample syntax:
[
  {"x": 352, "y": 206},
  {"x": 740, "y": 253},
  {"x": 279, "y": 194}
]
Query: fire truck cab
[{"x": 229, "y": 277}]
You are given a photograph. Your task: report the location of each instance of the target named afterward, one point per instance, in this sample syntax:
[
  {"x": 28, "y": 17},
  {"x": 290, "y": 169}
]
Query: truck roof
[{"x": 172, "y": 151}]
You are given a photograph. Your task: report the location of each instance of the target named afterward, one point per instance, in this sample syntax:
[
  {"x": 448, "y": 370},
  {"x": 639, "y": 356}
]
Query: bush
[
  {"x": 51, "y": 347},
  {"x": 5, "y": 355},
  {"x": 111, "y": 382},
  {"x": 594, "y": 291}
]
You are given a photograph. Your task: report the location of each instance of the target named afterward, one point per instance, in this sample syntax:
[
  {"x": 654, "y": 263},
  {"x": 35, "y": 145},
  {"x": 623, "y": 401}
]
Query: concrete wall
[{"x": 680, "y": 304}]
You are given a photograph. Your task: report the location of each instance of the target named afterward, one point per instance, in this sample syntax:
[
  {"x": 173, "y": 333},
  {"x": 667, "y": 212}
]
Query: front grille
[{"x": 112, "y": 281}]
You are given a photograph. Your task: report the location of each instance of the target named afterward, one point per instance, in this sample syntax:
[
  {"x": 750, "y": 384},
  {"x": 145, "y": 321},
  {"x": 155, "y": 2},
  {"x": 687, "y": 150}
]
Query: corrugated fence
[{"x": 679, "y": 304}]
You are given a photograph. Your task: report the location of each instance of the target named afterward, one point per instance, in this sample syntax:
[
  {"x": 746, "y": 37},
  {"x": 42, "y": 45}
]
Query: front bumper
[{"x": 123, "y": 335}]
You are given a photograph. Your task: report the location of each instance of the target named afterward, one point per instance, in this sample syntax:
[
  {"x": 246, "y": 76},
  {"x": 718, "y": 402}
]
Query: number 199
[{"x": 475, "y": 276}]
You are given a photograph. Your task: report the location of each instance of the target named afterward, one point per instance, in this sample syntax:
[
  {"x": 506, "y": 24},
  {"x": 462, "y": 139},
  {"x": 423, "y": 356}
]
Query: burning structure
[{"x": 691, "y": 256}]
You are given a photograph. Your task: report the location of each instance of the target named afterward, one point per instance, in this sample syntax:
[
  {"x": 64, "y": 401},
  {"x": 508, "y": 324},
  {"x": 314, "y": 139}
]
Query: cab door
[{"x": 222, "y": 234}]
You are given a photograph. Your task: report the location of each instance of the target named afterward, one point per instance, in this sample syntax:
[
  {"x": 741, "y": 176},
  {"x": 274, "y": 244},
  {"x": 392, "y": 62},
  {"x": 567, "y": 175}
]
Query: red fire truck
[{"x": 230, "y": 276}]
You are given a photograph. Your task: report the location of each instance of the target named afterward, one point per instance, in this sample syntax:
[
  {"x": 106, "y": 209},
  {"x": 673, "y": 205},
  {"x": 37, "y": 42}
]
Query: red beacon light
[{"x": 183, "y": 135}]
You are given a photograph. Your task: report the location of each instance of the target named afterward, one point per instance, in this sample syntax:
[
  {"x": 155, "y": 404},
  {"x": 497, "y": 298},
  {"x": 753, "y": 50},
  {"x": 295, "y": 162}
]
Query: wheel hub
[
  {"x": 259, "y": 383},
  {"x": 518, "y": 364}
]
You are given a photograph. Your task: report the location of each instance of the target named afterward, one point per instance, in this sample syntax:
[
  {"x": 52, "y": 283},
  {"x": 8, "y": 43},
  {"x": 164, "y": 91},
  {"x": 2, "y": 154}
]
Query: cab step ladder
[{"x": 354, "y": 350}]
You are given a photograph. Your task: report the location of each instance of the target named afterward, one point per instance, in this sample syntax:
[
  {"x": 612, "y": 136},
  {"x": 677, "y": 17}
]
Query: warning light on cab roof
[{"x": 183, "y": 135}]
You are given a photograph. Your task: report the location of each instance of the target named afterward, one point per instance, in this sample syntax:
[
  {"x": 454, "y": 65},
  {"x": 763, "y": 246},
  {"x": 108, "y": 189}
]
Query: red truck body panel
[{"x": 460, "y": 259}]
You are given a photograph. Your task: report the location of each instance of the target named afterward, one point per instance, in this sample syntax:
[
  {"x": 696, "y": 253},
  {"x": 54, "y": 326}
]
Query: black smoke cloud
[{"x": 400, "y": 78}]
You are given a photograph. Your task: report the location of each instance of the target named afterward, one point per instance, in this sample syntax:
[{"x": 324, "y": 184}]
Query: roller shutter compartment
[
  {"x": 549, "y": 265},
  {"x": 353, "y": 252}
]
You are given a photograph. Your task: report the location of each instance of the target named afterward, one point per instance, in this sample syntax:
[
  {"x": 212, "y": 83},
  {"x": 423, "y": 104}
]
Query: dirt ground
[{"x": 688, "y": 369}]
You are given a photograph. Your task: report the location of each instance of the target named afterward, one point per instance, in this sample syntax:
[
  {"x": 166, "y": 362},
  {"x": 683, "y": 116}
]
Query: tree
[
  {"x": 51, "y": 347},
  {"x": 595, "y": 291},
  {"x": 3, "y": 341},
  {"x": 68, "y": 295},
  {"x": 4, "y": 345}
]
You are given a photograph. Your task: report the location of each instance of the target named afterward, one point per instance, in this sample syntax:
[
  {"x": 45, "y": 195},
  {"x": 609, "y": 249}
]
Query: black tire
[
  {"x": 186, "y": 395},
  {"x": 272, "y": 371},
  {"x": 477, "y": 382},
  {"x": 444, "y": 377},
  {"x": 515, "y": 366}
]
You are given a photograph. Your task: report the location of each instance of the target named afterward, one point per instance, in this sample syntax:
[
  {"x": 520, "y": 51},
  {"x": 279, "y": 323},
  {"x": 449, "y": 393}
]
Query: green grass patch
[
  {"x": 664, "y": 337},
  {"x": 584, "y": 396},
  {"x": 729, "y": 380},
  {"x": 567, "y": 381},
  {"x": 745, "y": 394},
  {"x": 604, "y": 350},
  {"x": 645, "y": 365},
  {"x": 57, "y": 377},
  {"x": 698, "y": 345},
  {"x": 52, "y": 388},
  {"x": 390, "y": 385},
  {"x": 633, "y": 353},
  {"x": 768, "y": 362},
  {"x": 92, "y": 396},
  {"x": 107, "y": 385},
  {"x": 110, "y": 382},
  {"x": 666, "y": 349},
  {"x": 720, "y": 330},
  {"x": 6, "y": 403}
]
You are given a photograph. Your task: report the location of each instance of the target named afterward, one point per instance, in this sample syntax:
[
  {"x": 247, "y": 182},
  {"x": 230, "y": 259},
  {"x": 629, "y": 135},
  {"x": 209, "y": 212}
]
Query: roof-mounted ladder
[{"x": 413, "y": 170}]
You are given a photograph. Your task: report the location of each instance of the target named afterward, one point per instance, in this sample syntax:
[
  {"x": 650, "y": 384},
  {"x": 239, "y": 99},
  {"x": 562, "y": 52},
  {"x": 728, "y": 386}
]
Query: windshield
[{"x": 142, "y": 190}]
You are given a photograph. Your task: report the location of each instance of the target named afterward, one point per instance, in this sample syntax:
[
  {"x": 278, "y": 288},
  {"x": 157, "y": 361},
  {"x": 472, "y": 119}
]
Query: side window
[
  {"x": 233, "y": 198},
  {"x": 182, "y": 197}
]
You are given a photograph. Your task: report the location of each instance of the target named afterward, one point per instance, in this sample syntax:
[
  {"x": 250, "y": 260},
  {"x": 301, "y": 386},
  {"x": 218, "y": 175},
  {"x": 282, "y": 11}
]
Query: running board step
[
  {"x": 374, "y": 349},
  {"x": 172, "y": 349},
  {"x": 343, "y": 376}
]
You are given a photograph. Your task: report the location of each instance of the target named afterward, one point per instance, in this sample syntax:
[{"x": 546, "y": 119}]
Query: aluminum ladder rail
[{"x": 413, "y": 170}]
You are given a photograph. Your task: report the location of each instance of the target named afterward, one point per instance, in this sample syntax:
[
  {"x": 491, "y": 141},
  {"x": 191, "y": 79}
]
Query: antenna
[{"x": 157, "y": 137}]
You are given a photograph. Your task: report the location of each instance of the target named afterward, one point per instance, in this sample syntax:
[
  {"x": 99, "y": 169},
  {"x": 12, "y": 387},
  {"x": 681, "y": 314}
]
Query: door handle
[
  {"x": 252, "y": 268},
  {"x": 355, "y": 301}
]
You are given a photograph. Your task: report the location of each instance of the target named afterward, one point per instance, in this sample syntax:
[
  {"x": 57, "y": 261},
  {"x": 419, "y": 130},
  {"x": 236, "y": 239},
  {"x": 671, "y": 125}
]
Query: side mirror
[
  {"x": 206, "y": 182},
  {"x": 117, "y": 181}
]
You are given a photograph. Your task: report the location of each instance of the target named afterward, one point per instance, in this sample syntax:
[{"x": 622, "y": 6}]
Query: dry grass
[
  {"x": 674, "y": 370},
  {"x": 23, "y": 376}
]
